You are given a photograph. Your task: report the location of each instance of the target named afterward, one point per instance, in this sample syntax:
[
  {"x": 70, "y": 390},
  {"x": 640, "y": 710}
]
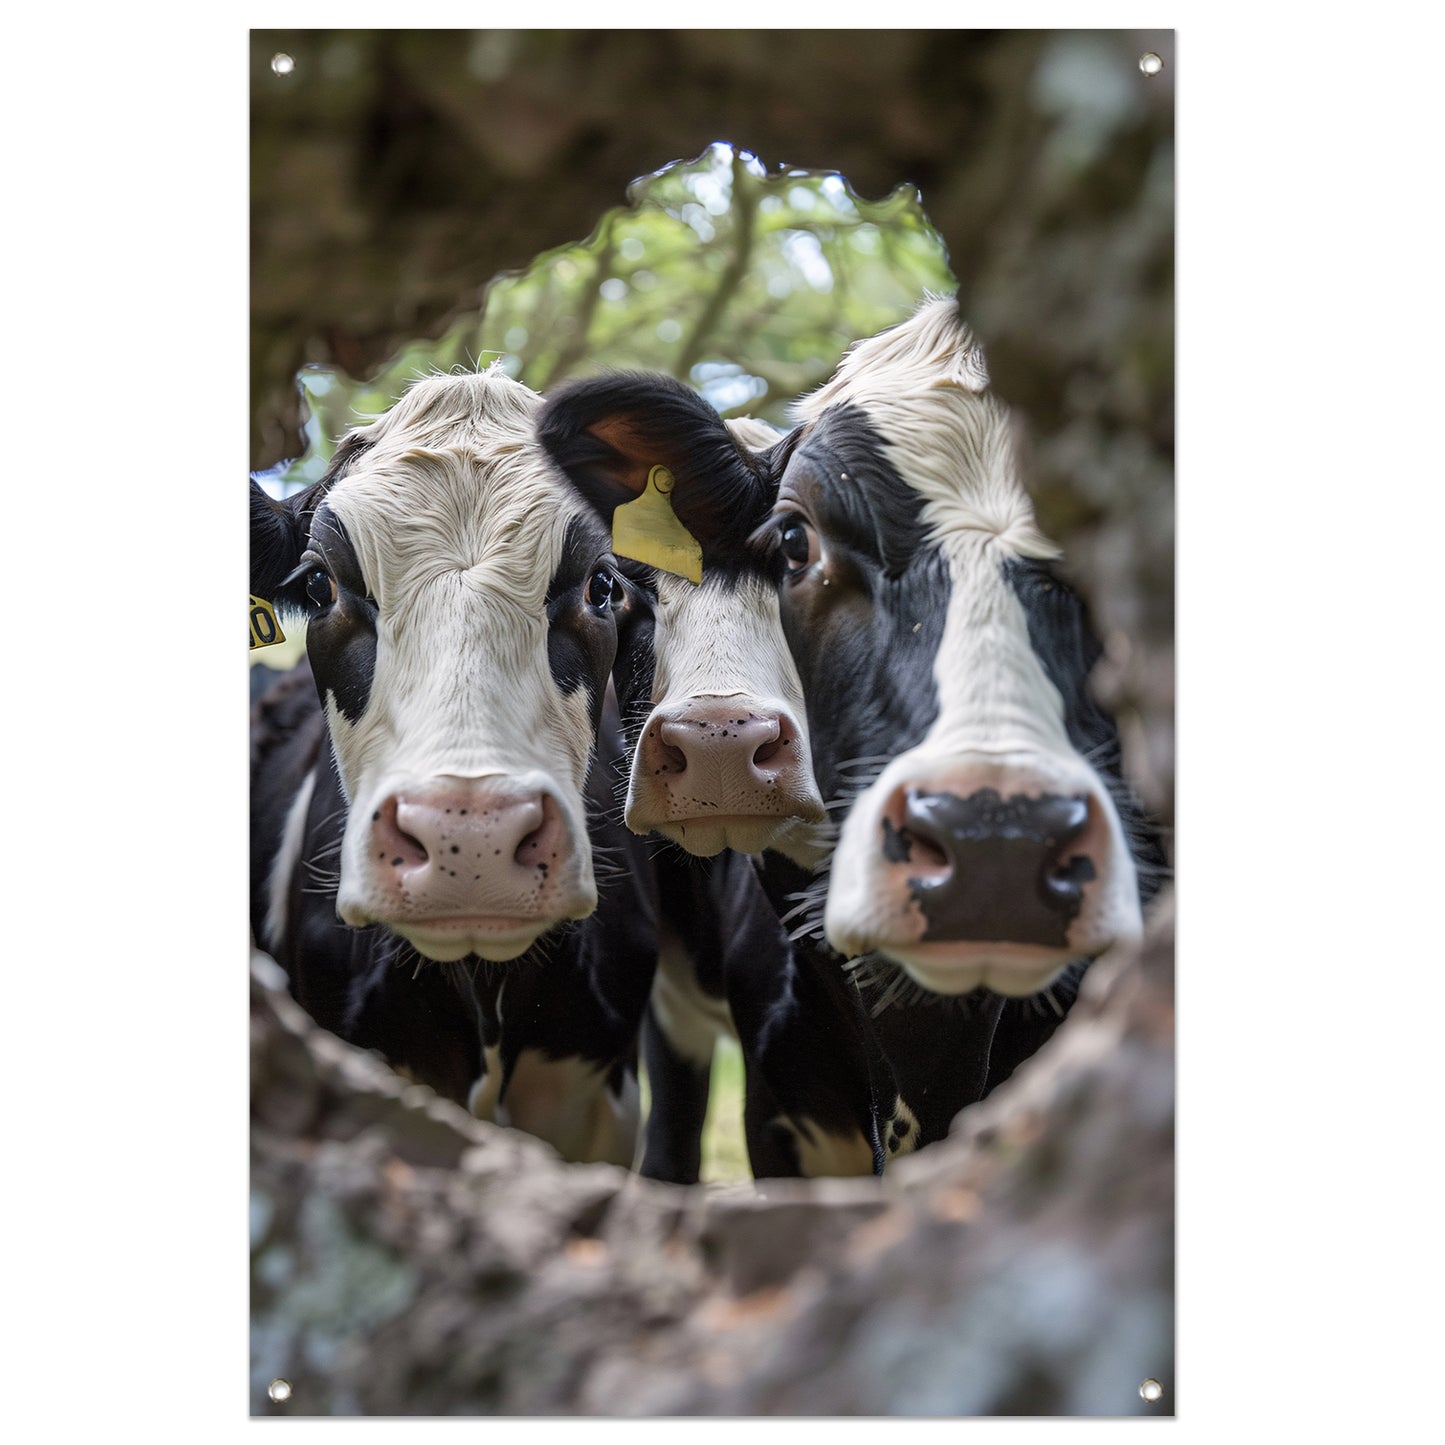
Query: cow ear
[
  {"x": 276, "y": 543},
  {"x": 279, "y": 534},
  {"x": 608, "y": 432},
  {"x": 279, "y": 529}
]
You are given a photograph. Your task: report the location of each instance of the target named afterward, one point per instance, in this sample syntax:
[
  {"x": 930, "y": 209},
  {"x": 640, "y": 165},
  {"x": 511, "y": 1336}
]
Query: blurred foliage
[{"x": 746, "y": 284}]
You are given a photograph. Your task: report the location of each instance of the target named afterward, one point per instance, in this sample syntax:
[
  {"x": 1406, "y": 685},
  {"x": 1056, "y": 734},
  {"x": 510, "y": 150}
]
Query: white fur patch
[
  {"x": 932, "y": 349},
  {"x": 722, "y": 639},
  {"x": 823, "y": 1155},
  {"x": 482, "y": 1096},
  {"x": 568, "y": 1104},
  {"x": 753, "y": 433},
  {"x": 901, "y": 1133},
  {"x": 458, "y": 519},
  {"x": 288, "y": 859},
  {"x": 691, "y": 1020}
]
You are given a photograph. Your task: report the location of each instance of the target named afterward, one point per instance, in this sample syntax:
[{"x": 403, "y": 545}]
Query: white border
[{"x": 1309, "y": 516}]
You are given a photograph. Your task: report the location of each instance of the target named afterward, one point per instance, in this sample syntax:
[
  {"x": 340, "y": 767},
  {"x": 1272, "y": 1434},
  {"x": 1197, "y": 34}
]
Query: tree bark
[{"x": 410, "y": 1260}]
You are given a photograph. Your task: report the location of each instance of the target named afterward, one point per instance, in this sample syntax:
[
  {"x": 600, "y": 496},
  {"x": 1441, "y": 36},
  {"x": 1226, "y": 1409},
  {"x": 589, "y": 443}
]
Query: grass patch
[{"x": 724, "y": 1148}]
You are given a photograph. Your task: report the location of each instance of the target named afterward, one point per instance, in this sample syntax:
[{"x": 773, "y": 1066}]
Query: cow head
[
  {"x": 945, "y": 668},
  {"x": 720, "y": 756},
  {"x": 463, "y": 612}
]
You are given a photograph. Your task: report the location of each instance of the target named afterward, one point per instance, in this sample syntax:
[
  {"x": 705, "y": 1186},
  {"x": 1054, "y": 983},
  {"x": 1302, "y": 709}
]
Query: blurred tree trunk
[{"x": 408, "y": 1260}]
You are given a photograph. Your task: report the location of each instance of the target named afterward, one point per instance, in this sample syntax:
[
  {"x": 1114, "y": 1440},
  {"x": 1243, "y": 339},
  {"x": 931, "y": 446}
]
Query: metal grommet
[
  {"x": 279, "y": 1391},
  {"x": 282, "y": 64},
  {"x": 1150, "y": 63},
  {"x": 1151, "y": 1390}
]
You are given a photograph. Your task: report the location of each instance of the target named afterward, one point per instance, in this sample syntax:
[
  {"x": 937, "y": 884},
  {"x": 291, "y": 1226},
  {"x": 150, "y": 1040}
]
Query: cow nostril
[
  {"x": 1064, "y": 882},
  {"x": 662, "y": 753},
  {"x": 670, "y": 759},
  {"x": 778, "y": 743},
  {"x": 401, "y": 846},
  {"x": 767, "y": 752},
  {"x": 926, "y": 853},
  {"x": 540, "y": 848},
  {"x": 911, "y": 840}
]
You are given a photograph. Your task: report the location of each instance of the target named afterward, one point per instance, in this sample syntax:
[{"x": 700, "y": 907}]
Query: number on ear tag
[{"x": 265, "y": 630}]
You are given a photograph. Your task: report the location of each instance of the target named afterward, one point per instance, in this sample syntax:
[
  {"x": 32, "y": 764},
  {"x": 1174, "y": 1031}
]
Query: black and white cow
[
  {"x": 993, "y": 848},
  {"x": 983, "y": 845},
  {"x": 988, "y": 846},
  {"x": 721, "y": 767},
  {"x": 425, "y": 817}
]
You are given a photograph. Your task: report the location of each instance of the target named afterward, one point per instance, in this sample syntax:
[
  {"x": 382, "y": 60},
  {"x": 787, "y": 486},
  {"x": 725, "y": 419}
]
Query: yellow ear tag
[
  {"x": 647, "y": 530},
  {"x": 265, "y": 630}
]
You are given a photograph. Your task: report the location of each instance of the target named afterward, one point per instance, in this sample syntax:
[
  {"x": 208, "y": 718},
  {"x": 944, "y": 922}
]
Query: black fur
[
  {"x": 1062, "y": 637},
  {"x": 867, "y": 675},
  {"x": 808, "y": 1051},
  {"x": 860, "y": 499}
]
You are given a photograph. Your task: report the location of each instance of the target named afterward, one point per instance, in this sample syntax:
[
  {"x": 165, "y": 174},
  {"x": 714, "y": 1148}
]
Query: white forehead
[
  {"x": 454, "y": 482},
  {"x": 724, "y": 637},
  {"x": 923, "y": 385}
]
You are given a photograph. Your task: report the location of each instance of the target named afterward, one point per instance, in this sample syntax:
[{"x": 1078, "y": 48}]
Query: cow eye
[
  {"x": 603, "y": 591},
  {"x": 320, "y": 587},
  {"x": 799, "y": 544}
]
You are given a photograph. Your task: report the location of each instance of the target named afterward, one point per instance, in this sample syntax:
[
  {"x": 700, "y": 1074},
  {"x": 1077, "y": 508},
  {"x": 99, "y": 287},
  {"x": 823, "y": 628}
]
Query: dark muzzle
[{"x": 993, "y": 869}]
